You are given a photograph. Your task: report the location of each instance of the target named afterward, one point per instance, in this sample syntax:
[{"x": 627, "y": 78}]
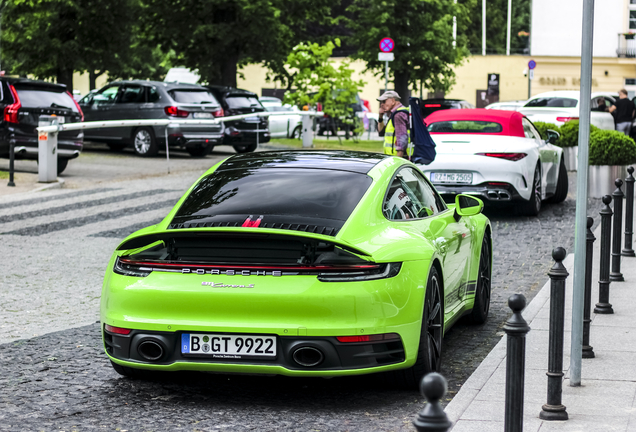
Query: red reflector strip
[
  {"x": 117, "y": 330},
  {"x": 508, "y": 156},
  {"x": 368, "y": 338},
  {"x": 247, "y": 267},
  {"x": 432, "y": 105},
  {"x": 497, "y": 184}
]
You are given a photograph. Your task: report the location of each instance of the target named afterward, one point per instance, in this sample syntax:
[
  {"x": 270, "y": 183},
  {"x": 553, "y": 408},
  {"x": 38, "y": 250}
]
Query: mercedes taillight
[{"x": 507, "y": 156}]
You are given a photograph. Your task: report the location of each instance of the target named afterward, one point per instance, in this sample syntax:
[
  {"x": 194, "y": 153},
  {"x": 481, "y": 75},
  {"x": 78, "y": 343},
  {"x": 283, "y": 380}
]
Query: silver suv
[{"x": 132, "y": 100}]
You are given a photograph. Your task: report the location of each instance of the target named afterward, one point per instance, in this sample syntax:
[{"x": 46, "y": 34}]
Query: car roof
[
  {"x": 341, "y": 160},
  {"x": 13, "y": 81},
  {"x": 232, "y": 90},
  {"x": 511, "y": 121}
]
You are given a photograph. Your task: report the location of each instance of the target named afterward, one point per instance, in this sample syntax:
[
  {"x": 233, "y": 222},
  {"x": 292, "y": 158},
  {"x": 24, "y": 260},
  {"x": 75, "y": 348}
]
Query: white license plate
[
  {"x": 462, "y": 178},
  {"x": 252, "y": 119},
  {"x": 228, "y": 346},
  {"x": 202, "y": 115}
]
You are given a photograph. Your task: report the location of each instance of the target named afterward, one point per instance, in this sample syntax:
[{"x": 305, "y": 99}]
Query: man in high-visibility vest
[{"x": 396, "y": 129}]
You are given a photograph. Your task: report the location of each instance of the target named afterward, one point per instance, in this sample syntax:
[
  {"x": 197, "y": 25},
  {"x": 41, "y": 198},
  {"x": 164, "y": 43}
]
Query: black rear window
[
  {"x": 238, "y": 102},
  {"x": 32, "y": 98},
  {"x": 193, "y": 96},
  {"x": 429, "y": 108},
  {"x": 556, "y": 102},
  {"x": 465, "y": 126},
  {"x": 233, "y": 195}
]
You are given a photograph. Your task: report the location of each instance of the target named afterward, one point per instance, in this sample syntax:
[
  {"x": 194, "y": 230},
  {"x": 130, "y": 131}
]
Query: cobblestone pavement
[{"x": 55, "y": 375}]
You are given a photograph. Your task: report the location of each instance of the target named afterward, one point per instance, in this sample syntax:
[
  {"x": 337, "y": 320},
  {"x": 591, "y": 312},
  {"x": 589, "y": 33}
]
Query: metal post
[
  {"x": 11, "y": 160},
  {"x": 529, "y": 85},
  {"x": 629, "y": 214},
  {"x": 587, "y": 350},
  {"x": 47, "y": 151},
  {"x": 603, "y": 306},
  {"x": 386, "y": 76},
  {"x": 616, "y": 274},
  {"x": 167, "y": 151},
  {"x": 581, "y": 194},
  {"x": 516, "y": 329},
  {"x": 554, "y": 409},
  {"x": 306, "y": 131},
  {"x": 508, "y": 29},
  {"x": 483, "y": 27},
  {"x": 432, "y": 418}
]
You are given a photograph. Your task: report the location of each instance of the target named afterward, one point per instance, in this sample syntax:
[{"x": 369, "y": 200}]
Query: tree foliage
[
  {"x": 219, "y": 36},
  {"x": 423, "y": 35}
]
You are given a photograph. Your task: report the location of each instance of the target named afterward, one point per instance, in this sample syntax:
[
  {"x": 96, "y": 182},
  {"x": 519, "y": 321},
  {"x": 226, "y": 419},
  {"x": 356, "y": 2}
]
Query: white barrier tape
[{"x": 167, "y": 122}]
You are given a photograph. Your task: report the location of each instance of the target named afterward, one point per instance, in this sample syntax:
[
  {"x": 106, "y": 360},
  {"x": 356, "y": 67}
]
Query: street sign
[
  {"x": 531, "y": 74},
  {"x": 532, "y": 64},
  {"x": 386, "y": 56},
  {"x": 387, "y": 45}
]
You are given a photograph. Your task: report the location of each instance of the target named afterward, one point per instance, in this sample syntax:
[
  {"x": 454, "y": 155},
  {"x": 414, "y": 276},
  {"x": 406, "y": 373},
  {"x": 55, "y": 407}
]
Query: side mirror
[
  {"x": 466, "y": 205},
  {"x": 553, "y": 136}
]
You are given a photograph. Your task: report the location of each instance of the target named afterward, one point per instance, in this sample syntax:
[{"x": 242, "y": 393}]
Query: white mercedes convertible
[{"x": 498, "y": 156}]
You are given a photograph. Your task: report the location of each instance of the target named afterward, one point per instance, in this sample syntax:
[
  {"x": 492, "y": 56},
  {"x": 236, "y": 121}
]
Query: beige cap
[{"x": 389, "y": 94}]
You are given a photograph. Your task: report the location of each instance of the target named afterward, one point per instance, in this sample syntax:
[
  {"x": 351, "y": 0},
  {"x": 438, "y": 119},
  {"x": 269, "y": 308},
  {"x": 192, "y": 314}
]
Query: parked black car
[
  {"x": 241, "y": 134},
  {"x": 429, "y": 106},
  {"x": 132, "y": 100},
  {"x": 22, "y": 102}
]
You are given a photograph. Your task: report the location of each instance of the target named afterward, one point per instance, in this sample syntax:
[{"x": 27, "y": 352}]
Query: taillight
[
  {"x": 566, "y": 119},
  {"x": 11, "y": 111},
  {"x": 79, "y": 110},
  {"x": 369, "y": 338},
  {"x": 218, "y": 113},
  {"x": 357, "y": 273},
  {"x": 131, "y": 269},
  {"x": 116, "y": 330},
  {"x": 432, "y": 105},
  {"x": 174, "y": 111},
  {"x": 507, "y": 156}
]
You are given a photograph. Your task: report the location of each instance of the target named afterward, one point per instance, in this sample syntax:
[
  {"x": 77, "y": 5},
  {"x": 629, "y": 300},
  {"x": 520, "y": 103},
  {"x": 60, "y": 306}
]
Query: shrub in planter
[
  {"x": 611, "y": 148},
  {"x": 570, "y": 133},
  {"x": 543, "y": 127}
]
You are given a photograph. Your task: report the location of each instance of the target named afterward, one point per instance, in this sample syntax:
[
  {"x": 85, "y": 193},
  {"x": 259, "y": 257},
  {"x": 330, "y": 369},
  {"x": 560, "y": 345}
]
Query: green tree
[
  {"x": 317, "y": 80},
  {"x": 217, "y": 37},
  {"x": 423, "y": 33}
]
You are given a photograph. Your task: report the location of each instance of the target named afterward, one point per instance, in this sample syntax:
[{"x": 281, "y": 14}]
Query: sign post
[
  {"x": 531, "y": 65},
  {"x": 386, "y": 46}
]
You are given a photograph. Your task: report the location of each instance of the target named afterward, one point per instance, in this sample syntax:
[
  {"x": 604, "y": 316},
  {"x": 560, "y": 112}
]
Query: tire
[
  {"x": 245, "y": 148},
  {"x": 200, "y": 151},
  {"x": 116, "y": 146},
  {"x": 479, "y": 314},
  {"x": 532, "y": 207},
  {"x": 561, "y": 192},
  {"x": 61, "y": 165},
  {"x": 144, "y": 142},
  {"x": 429, "y": 352},
  {"x": 296, "y": 133}
]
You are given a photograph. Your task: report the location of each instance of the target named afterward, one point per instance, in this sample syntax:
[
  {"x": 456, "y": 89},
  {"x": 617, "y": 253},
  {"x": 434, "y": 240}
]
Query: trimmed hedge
[
  {"x": 611, "y": 148},
  {"x": 570, "y": 134},
  {"x": 543, "y": 127}
]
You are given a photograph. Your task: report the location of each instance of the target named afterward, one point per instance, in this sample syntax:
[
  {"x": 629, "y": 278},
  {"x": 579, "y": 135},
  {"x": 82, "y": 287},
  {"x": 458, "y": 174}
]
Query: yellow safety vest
[{"x": 389, "y": 137}]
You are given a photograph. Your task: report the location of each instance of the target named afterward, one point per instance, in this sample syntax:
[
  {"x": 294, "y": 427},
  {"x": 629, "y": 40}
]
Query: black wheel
[
  {"x": 128, "y": 372},
  {"x": 116, "y": 146},
  {"x": 144, "y": 142},
  {"x": 479, "y": 314},
  {"x": 296, "y": 133},
  {"x": 200, "y": 151},
  {"x": 61, "y": 165},
  {"x": 532, "y": 207},
  {"x": 561, "y": 192},
  {"x": 429, "y": 353},
  {"x": 245, "y": 148}
]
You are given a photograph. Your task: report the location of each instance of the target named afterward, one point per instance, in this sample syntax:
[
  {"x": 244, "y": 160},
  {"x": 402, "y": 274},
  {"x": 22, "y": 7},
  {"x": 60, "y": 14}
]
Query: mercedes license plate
[
  {"x": 202, "y": 115},
  {"x": 461, "y": 178},
  {"x": 223, "y": 346}
]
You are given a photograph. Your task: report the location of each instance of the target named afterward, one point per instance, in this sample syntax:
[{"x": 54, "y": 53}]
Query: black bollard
[
  {"x": 588, "y": 351},
  {"x": 554, "y": 409},
  {"x": 11, "y": 159},
  {"x": 629, "y": 214},
  {"x": 617, "y": 196},
  {"x": 516, "y": 329},
  {"x": 603, "y": 306},
  {"x": 432, "y": 418}
]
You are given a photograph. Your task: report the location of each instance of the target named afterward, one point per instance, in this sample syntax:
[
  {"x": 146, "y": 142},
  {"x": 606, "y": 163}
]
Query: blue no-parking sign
[
  {"x": 532, "y": 64},
  {"x": 387, "y": 45}
]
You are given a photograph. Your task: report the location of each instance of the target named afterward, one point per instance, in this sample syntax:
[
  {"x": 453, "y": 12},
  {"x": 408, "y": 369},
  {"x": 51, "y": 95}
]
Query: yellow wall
[{"x": 81, "y": 82}]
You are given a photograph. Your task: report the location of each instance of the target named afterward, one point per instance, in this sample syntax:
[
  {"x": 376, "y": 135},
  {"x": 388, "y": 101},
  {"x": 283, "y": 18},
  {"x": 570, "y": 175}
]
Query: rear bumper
[
  {"x": 66, "y": 149},
  {"x": 334, "y": 357},
  {"x": 491, "y": 194}
]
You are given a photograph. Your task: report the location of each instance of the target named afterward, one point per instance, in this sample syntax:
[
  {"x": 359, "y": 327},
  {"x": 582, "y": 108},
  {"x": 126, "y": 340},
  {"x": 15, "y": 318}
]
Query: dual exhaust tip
[
  {"x": 498, "y": 195},
  {"x": 151, "y": 350}
]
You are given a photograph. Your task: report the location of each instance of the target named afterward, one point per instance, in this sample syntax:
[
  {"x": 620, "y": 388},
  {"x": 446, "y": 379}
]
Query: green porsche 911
[{"x": 301, "y": 263}]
